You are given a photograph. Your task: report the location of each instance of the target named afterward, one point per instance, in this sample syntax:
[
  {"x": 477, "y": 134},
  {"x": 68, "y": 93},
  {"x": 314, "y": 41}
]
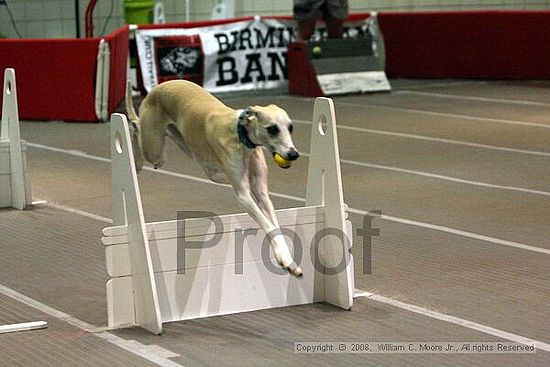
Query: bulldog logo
[
  {"x": 179, "y": 57},
  {"x": 180, "y": 61}
]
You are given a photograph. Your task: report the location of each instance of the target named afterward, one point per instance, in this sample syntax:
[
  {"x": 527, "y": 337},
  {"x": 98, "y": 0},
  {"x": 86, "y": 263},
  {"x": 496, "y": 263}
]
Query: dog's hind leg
[{"x": 153, "y": 139}]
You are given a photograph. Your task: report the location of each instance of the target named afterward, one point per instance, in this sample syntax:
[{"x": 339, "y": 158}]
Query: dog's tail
[
  {"x": 132, "y": 115},
  {"x": 136, "y": 128}
]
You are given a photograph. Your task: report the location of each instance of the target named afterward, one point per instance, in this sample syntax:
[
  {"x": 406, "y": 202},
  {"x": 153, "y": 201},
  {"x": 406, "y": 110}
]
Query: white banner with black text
[{"x": 245, "y": 55}]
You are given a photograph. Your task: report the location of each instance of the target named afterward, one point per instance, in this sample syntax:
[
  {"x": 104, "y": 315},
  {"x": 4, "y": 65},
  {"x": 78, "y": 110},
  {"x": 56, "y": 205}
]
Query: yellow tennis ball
[
  {"x": 316, "y": 51},
  {"x": 281, "y": 162}
]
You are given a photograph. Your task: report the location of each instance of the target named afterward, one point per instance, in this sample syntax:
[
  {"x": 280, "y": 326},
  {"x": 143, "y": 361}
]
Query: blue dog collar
[{"x": 243, "y": 134}]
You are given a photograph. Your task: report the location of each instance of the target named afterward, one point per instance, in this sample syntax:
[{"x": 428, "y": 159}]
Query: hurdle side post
[
  {"x": 324, "y": 187},
  {"x": 127, "y": 210},
  {"x": 14, "y": 185}
]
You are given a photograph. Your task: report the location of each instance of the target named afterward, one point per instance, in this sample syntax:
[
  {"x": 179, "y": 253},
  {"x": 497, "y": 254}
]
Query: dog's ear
[{"x": 251, "y": 114}]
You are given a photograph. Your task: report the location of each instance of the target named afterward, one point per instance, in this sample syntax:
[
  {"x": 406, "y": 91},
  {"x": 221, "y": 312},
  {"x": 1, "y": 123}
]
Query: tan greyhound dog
[{"x": 227, "y": 143}]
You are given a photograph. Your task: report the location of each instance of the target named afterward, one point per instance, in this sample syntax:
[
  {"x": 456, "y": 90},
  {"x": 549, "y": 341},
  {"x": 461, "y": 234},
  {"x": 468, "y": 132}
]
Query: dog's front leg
[
  {"x": 278, "y": 243},
  {"x": 257, "y": 177}
]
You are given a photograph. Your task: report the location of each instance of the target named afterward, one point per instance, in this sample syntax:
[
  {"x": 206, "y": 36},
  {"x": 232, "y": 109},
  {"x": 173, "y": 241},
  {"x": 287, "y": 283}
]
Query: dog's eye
[
  {"x": 290, "y": 128},
  {"x": 272, "y": 129}
]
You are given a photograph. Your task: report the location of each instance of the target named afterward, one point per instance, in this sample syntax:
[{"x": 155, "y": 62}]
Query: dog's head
[{"x": 271, "y": 127}]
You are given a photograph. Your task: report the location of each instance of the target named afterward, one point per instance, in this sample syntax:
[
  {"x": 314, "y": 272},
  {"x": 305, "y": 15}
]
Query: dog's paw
[
  {"x": 295, "y": 270},
  {"x": 159, "y": 163}
]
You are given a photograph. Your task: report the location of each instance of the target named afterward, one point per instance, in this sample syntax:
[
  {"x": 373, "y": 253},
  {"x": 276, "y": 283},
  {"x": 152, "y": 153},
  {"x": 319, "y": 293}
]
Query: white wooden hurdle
[
  {"x": 15, "y": 188},
  {"x": 147, "y": 288}
]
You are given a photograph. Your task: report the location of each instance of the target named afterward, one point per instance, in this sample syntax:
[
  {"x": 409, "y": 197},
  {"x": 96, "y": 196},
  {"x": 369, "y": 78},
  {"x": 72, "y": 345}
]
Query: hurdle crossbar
[
  {"x": 24, "y": 326},
  {"x": 151, "y": 282},
  {"x": 15, "y": 190}
]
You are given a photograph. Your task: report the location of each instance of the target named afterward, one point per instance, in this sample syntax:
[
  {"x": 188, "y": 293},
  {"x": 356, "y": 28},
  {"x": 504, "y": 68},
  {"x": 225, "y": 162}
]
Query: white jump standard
[
  {"x": 15, "y": 189},
  {"x": 238, "y": 273}
]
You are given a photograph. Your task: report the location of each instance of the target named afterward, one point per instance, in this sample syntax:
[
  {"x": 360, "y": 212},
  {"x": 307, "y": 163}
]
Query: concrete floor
[{"x": 459, "y": 170}]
